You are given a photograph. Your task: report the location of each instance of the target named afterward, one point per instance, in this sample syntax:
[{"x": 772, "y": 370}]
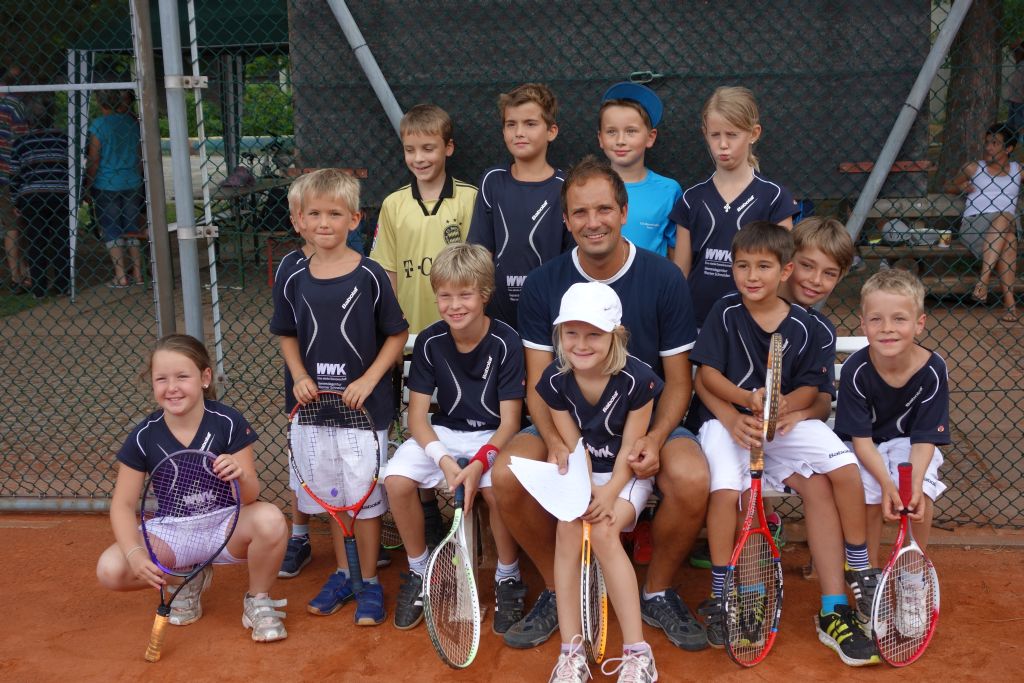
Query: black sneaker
[
  {"x": 863, "y": 583},
  {"x": 296, "y": 556},
  {"x": 713, "y": 612},
  {"x": 841, "y": 632},
  {"x": 409, "y": 608},
  {"x": 700, "y": 556},
  {"x": 669, "y": 613},
  {"x": 433, "y": 527},
  {"x": 537, "y": 626},
  {"x": 509, "y": 603}
]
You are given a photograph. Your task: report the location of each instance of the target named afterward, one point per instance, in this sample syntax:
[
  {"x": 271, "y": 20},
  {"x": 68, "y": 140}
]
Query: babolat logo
[
  {"x": 200, "y": 500},
  {"x": 745, "y": 204},
  {"x": 723, "y": 255},
  {"x": 913, "y": 398},
  {"x": 610, "y": 403},
  {"x": 355, "y": 290},
  {"x": 603, "y": 452},
  {"x": 487, "y": 368},
  {"x": 335, "y": 369},
  {"x": 538, "y": 211}
]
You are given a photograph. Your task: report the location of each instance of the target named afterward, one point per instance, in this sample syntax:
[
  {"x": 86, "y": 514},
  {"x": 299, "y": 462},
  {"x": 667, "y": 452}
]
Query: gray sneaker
[
  {"x": 186, "y": 607},
  {"x": 669, "y": 613},
  {"x": 509, "y": 601},
  {"x": 537, "y": 626},
  {"x": 632, "y": 667}
]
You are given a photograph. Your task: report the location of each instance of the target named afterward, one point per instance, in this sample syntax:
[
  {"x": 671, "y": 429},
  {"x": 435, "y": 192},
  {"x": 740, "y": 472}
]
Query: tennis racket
[
  {"x": 188, "y": 515},
  {"x": 593, "y": 601},
  {"x": 335, "y": 454},
  {"x": 451, "y": 605},
  {"x": 753, "y": 579},
  {"x": 906, "y": 607}
]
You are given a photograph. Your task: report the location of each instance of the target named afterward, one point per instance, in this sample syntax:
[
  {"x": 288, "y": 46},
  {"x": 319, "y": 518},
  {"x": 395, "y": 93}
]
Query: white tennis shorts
[
  {"x": 636, "y": 491},
  {"x": 893, "y": 453},
  {"x": 352, "y": 470},
  {"x": 410, "y": 460},
  {"x": 809, "y": 448},
  {"x": 182, "y": 542}
]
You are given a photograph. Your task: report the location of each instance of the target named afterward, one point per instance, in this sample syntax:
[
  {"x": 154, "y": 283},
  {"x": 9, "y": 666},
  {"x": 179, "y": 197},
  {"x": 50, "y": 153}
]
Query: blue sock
[
  {"x": 830, "y": 602},
  {"x": 717, "y": 580},
  {"x": 300, "y": 530},
  {"x": 507, "y": 571},
  {"x": 419, "y": 564},
  {"x": 857, "y": 556}
]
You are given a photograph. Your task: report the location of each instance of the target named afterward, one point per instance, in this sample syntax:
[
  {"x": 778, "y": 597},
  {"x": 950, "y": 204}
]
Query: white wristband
[{"x": 435, "y": 450}]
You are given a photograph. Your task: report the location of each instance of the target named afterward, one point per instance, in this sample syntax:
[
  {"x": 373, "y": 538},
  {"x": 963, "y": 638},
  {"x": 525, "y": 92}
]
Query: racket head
[
  {"x": 334, "y": 452},
  {"x": 451, "y": 606},
  {"x": 752, "y": 595},
  {"x": 772, "y": 386},
  {"x": 188, "y": 513},
  {"x": 593, "y": 601}
]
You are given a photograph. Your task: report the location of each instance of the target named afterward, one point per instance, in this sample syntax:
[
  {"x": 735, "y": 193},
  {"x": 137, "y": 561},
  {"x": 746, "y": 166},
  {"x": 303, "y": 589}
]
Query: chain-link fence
[{"x": 286, "y": 92}]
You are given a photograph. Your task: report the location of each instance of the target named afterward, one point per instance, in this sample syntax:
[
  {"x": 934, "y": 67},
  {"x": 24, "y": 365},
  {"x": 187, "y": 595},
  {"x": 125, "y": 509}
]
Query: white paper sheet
[{"x": 566, "y": 496}]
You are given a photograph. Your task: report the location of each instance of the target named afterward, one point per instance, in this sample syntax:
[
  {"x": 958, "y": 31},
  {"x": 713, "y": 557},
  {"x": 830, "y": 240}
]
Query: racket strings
[
  {"x": 753, "y": 599},
  {"x": 452, "y": 603},
  {"x": 594, "y": 602},
  {"x": 906, "y": 608}
]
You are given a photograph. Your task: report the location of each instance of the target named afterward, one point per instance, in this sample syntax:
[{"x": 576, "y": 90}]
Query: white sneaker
[
  {"x": 572, "y": 667},
  {"x": 633, "y": 667},
  {"x": 187, "y": 608},
  {"x": 912, "y": 615},
  {"x": 260, "y": 615}
]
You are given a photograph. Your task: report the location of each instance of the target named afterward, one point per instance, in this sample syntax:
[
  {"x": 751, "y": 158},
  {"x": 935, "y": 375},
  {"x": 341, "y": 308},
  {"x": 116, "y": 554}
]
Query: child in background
[
  {"x": 189, "y": 417},
  {"x": 599, "y": 393},
  {"x": 730, "y": 351},
  {"x": 418, "y": 220},
  {"x": 627, "y": 127},
  {"x": 710, "y": 213},
  {"x": 339, "y": 322},
  {"x": 894, "y": 407},
  {"x": 518, "y": 213},
  {"x": 465, "y": 354}
]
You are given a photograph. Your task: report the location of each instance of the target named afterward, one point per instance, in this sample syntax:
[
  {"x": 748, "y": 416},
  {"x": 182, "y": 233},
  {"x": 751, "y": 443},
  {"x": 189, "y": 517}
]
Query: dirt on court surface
[{"x": 58, "y": 624}]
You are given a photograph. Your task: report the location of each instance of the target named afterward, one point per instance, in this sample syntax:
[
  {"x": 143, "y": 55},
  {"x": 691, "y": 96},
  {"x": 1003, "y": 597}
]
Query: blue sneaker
[
  {"x": 297, "y": 555},
  {"x": 370, "y": 605},
  {"x": 335, "y": 593}
]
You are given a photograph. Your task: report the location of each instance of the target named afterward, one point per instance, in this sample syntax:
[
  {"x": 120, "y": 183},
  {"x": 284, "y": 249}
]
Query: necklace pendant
[{"x": 727, "y": 207}]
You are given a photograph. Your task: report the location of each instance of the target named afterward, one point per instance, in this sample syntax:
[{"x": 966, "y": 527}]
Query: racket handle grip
[
  {"x": 354, "y": 571},
  {"x": 156, "y": 638},
  {"x": 460, "y": 492},
  {"x": 905, "y": 483}
]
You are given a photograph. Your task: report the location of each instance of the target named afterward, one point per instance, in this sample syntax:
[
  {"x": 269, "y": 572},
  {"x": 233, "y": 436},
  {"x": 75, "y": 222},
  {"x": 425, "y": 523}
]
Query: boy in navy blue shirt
[
  {"x": 518, "y": 213},
  {"x": 342, "y": 330},
  {"x": 730, "y": 351},
  {"x": 894, "y": 407},
  {"x": 475, "y": 365}
]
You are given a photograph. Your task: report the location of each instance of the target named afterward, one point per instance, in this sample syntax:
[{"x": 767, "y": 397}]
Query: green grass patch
[{"x": 11, "y": 304}]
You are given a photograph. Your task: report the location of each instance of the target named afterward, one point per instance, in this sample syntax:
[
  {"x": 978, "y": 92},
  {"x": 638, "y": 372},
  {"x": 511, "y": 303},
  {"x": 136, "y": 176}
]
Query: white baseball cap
[{"x": 591, "y": 302}]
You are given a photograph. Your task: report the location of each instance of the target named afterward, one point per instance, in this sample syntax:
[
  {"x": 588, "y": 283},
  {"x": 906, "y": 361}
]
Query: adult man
[
  {"x": 13, "y": 124},
  {"x": 658, "y": 312}
]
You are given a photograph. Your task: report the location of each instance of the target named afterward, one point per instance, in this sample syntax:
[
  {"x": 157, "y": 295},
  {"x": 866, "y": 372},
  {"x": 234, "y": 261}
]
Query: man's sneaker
[
  {"x": 700, "y": 556},
  {"x": 335, "y": 593},
  {"x": 263, "y": 617},
  {"x": 370, "y": 605},
  {"x": 509, "y": 603},
  {"x": 298, "y": 554},
  {"x": 669, "y": 613},
  {"x": 187, "y": 608},
  {"x": 863, "y": 583},
  {"x": 713, "y": 612},
  {"x": 571, "y": 667},
  {"x": 841, "y": 631},
  {"x": 433, "y": 528},
  {"x": 633, "y": 667},
  {"x": 776, "y": 529},
  {"x": 409, "y": 609},
  {"x": 912, "y": 613},
  {"x": 642, "y": 549},
  {"x": 537, "y": 626}
]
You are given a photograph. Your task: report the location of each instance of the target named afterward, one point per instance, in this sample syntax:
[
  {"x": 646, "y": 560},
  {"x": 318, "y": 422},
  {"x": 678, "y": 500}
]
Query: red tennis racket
[
  {"x": 906, "y": 607},
  {"x": 753, "y": 580},
  {"x": 335, "y": 454}
]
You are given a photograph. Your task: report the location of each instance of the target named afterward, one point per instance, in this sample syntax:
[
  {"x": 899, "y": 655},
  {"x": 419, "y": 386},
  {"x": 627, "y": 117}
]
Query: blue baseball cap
[{"x": 641, "y": 94}]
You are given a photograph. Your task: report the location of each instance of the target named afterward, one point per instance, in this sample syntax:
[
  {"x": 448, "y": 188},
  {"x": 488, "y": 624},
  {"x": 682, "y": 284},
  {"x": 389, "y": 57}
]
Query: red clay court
[{"x": 60, "y": 623}]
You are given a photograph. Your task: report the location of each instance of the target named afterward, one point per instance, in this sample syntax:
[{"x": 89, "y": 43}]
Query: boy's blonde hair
[
  {"x": 615, "y": 361},
  {"x": 530, "y": 92},
  {"x": 736, "y": 105},
  {"x": 895, "y": 281},
  {"x": 295, "y": 194},
  {"x": 464, "y": 264},
  {"x": 427, "y": 119},
  {"x": 827, "y": 234},
  {"x": 333, "y": 184}
]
